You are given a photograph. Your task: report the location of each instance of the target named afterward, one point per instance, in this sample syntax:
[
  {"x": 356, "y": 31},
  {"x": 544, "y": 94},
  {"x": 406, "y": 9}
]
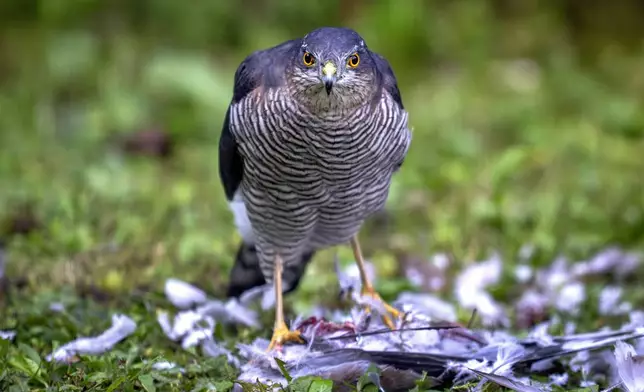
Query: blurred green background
[{"x": 527, "y": 115}]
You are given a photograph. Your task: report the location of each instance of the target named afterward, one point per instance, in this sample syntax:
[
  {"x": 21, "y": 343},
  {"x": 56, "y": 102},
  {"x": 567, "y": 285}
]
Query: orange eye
[
  {"x": 308, "y": 59},
  {"x": 354, "y": 60}
]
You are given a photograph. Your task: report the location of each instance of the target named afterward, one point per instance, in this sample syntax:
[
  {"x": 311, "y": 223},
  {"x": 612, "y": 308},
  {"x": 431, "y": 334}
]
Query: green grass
[{"x": 506, "y": 152}]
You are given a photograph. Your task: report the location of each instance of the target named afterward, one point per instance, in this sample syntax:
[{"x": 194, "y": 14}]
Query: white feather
[
  {"x": 238, "y": 207},
  {"x": 630, "y": 367}
]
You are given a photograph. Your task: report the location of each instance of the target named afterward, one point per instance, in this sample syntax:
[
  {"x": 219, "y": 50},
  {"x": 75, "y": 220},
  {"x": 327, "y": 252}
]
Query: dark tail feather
[
  {"x": 246, "y": 273},
  {"x": 433, "y": 364}
]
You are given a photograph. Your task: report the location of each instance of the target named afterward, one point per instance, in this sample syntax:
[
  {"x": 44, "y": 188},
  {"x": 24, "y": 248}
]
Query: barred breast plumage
[{"x": 310, "y": 181}]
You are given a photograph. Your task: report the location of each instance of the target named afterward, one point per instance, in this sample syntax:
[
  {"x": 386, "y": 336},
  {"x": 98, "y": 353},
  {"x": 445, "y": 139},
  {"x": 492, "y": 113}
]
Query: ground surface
[{"x": 507, "y": 152}]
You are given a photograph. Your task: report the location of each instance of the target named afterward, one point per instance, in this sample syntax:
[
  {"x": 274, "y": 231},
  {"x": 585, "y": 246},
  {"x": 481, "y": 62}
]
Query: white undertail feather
[{"x": 240, "y": 214}]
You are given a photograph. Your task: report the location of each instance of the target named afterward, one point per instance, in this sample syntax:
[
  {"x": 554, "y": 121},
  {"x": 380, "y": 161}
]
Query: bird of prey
[{"x": 314, "y": 132}]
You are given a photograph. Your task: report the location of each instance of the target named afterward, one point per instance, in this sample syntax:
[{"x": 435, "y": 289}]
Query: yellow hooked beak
[{"x": 329, "y": 71}]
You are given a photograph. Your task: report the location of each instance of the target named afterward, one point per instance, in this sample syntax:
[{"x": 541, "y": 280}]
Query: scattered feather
[
  {"x": 185, "y": 323},
  {"x": 426, "y": 274},
  {"x": 343, "y": 347},
  {"x": 265, "y": 293},
  {"x": 427, "y": 304},
  {"x": 611, "y": 260},
  {"x": 570, "y": 297},
  {"x": 559, "y": 379},
  {"x": 451, "y": 355},
  {"x": 441, "y": 261},
  {"x": 232, "y": 311},
  {"x": 630, "y": 367},
  {"x": 356, "y": 347},
  {"x": 610, "y": 302},
  {"x": 183, "y": 295},
  {"x": 471, "y": 294},
  {"x": 165, "y": 365},
  {"x": 194, "y": 329},
  {"x": 57, "y": 307},
  {"x": 523, "y": 273},
  {"x": 229, "y": 312},
  {"x": 189, "y": 327},
  {"x": 210, "y": 348},
  {"x": 349, "y": 278},
  {"x": 122, "y": 327},
  {"x": 7, "y": 335},
  {"x": 531, "y": 308}
]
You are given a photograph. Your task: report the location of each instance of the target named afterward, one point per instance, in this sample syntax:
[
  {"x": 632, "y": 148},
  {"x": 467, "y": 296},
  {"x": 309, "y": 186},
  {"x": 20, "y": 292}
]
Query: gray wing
[
  {"x": 263, "y": 68},
  {"x": 388, "y": 78},
  {"x": 388, "y": 83}
]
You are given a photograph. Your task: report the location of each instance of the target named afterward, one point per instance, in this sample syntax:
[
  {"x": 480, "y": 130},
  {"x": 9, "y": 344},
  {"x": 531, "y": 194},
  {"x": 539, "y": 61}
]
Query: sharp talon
[
  {"x": 393, "y": 313},
  {"x": 282, "y": 335},
  {"x": 367, "y": 288},
  {"x": 389, "y": 322}
]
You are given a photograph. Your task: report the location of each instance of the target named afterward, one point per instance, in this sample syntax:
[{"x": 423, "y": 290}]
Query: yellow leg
[
  {"x": 281, "y": 333},
  {"x": 367, "y": 287}
]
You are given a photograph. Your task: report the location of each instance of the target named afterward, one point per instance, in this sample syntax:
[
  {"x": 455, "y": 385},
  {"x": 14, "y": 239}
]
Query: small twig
[{"x": 472, "y": 318}]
